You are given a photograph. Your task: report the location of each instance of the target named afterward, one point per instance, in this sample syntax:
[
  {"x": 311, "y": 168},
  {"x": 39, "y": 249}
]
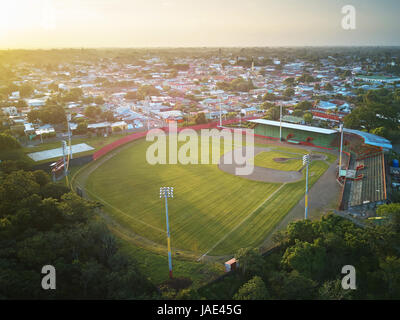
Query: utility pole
[
  {"x": 168, "y": 192},
  {"x": 306, "y": 162}
]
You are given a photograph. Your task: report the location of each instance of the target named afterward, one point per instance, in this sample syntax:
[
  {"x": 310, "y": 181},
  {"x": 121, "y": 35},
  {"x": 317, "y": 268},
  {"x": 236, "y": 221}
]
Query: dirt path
[{"x": 259, "y": 173}]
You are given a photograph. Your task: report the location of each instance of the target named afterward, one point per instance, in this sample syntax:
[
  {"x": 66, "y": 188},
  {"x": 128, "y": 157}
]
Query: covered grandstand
[
  {"x": 296, "y": 133},
  {"x": 366, "y": 188},
  {"x": 363, "y": 173}
]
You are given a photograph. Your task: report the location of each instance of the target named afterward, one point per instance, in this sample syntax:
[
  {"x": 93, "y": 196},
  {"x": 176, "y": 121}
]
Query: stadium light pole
[
  {"x": 341, "y": 147},
  {"x": 64, "y": 149},
  {"x": 306, "y": 162},
  {"x": 220, "y": 113},
  {"x": 167, "y": 192},
  {"x": 69, "y": 135},
  {"x": 280, "y": 124}
]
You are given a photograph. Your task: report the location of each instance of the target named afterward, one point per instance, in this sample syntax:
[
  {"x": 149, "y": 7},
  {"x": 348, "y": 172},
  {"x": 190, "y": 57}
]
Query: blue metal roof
[{"x": 371, "y": 139}]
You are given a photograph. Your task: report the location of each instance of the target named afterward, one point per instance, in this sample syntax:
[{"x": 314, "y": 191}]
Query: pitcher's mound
[{"x": 281, "y": 159}]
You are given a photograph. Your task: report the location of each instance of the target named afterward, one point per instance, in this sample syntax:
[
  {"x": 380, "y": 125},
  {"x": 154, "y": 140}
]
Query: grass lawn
[
  {"x": 287, "y": 149},
  {"x": 208, "y": 204},
  {"x": 155, "y": 266},
  {"x": 266, "y": 160}
]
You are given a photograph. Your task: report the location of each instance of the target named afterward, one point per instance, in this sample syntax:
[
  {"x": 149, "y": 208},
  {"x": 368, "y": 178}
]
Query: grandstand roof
[
  {"x": 371, "y": 139},
  {"x": 293, "y": 126}
]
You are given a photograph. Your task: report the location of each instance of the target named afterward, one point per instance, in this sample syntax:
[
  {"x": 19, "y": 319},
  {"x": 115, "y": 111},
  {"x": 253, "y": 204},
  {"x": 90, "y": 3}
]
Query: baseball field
[{"x": 213, "y": 213}]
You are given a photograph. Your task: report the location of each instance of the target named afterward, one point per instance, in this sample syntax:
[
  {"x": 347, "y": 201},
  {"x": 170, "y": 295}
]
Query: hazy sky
[{"x": 135, "y": 23}]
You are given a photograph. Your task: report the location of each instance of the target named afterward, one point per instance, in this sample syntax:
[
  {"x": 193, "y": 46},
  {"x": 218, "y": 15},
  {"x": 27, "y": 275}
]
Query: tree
[
  {"x": 308, "y": 117},
  {"x": 392, "y": 212},
  {"x": 333, "y": 290},
  {"x": 43, "y": 223},
  {"x": 298, "y": 287},
  {"x": 266, "y": 105},
  {"x": 200, "y": 118},
  {"x": 21, "y": 104},
  {"x": 53, "y": 87},
  {"x": 50, "y": 113},
  {"x": 380, "y": 131},
  {"x": 99, "y": 100},
  {"x": 273, "y": 113},
  {"x": 8, "y": 142},
  {"x": 328, "y": 87},
  {"x": 41, "y": 177},
  {"x": 250, "y": 261},
  {"x": 269, "y": 97},
  {"x": 390, "y": 274},
  {"x": 238, "y": 84},
  {"x": 82, "y": 128},
  {"x": 8, "y": 166},
  {"x": 93, "y": 112},
  {"x": 289, "y": 81},
  {"x": 108, "y": 116},
  {"x": 362, "y": 118},
  {"x": 302, "y": 230},
  {"x": 304, "y": 105},
  {"x": 25, "y": 91},
  {"x": 292, "y": 286},
  {"x": 289, "y": 92},
  {"x": 306, "y": 78},
  {"x": 254, "y": 289},
  {"x": 307, "y": 258},
  {"x": 146, "y": 91},
  {"x": 131, "y": 95},
  {"x": 15, "y": 191}
]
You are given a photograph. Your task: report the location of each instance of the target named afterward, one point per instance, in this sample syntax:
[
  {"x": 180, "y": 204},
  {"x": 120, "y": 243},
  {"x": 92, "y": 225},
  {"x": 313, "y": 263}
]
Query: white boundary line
[{"x": 239, "y": 224}]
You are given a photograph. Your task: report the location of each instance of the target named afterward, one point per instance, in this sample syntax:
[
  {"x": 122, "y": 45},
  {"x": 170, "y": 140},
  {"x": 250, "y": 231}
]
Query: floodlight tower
[
  {"x": 341, "y": 147},
  {"x": 168, "y": 192},
  {"x": 280, "y": 124},
  {"x": 220, "y": 113},
  {"x": 64, "y": 150},
  {"x": 306, "y": 162},
  {"x": 69, "y": 135}
]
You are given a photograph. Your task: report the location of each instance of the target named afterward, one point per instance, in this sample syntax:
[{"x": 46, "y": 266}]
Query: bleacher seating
[
  {"x": 371, "y": 188},
  {"x": 366, "y": 151}
]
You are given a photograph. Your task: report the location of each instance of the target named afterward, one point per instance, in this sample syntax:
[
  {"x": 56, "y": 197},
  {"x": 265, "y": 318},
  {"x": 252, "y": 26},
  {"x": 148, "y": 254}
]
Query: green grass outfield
[
  {"x": 266, "y": 159},
  {"x": 212, "y": 211}
]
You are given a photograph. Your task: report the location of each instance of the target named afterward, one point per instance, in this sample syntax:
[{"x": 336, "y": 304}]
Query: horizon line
[{"x": 201, "y": 47}]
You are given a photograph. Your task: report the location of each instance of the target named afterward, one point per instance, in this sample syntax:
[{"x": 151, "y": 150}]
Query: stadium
[{"x": 214, "y": 212}]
